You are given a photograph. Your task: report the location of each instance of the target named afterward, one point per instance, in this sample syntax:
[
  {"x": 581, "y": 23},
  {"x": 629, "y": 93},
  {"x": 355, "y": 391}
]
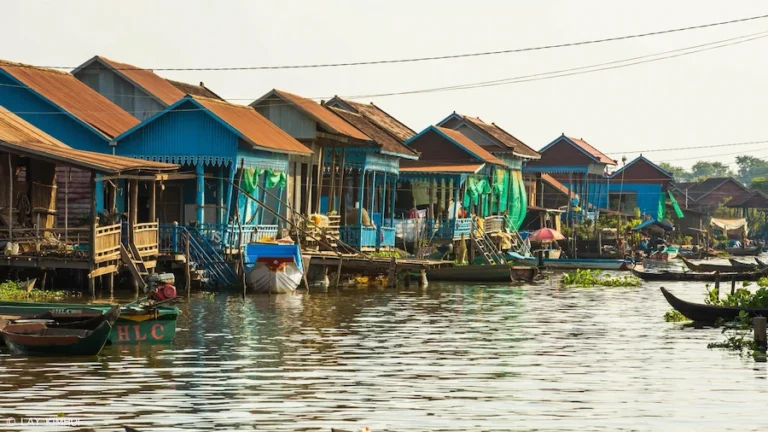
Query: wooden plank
[
  {"x": 99, "y": 271},
  {"x": 128, "y": 261}
]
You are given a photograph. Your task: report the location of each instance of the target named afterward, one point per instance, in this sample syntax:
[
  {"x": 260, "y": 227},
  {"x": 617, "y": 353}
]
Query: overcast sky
[{"x": 707, "y": 98}]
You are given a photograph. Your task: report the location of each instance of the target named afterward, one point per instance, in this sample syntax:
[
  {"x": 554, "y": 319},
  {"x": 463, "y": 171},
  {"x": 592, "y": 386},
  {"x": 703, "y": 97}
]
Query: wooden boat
[
  {"x": 37, "y": 339},
  {"x": 722, "y": 268},
  {"x": 760, "y": 263},
  {"x": 670, "y": 252},
  {"x": 640, "y": 272},
  {"x": 483, "y": 273},
  {"x": 67, "y": 322},
  {"x": 708, "y": 314},
  {"x": 742, "y": 266},
  {"x": 273, "y": 268},
  {"x": 747, "y": 251},
  {"x": 136, "y": 324},
  {"x": 576, "y": 263}
]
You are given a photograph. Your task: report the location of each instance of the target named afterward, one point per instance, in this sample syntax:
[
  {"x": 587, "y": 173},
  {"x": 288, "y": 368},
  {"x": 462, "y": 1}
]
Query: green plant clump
[
  {"x": 11, "y": 291},
  {"x": 589, "y": 278},
  {"x": 737, "y": 336},
  {"x": 742, "y": 297},
  {"x": 674, "y": 316}
]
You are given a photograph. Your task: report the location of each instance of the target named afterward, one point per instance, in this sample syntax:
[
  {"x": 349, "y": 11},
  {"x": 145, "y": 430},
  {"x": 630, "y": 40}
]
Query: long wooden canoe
[
  {"x": 708, "y": 314},
  {"x": 36, "y": 339},
  {"x": 483, "y": 273},
  {"x": 747, "y": 251},
  {"x": 708, "y": 267},
  {"x": 742, "y": 266},
  {"x": 696, "y": 276},
  {"x": 135, "y": 324}
]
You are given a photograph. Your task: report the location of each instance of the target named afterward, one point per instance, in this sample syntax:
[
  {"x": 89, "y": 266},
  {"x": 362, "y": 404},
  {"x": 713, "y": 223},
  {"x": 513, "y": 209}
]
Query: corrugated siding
[
  {"x": 50, "y": 119},
  {"x": 185, "y": 135},
  {"x": 288, "y": 118},
  {"x": 261, "y": 159}
]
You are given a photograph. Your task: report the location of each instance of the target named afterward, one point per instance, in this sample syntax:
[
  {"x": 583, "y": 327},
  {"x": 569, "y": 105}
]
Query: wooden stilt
[
  {"x": 342, "y": 204},
  {"x": 338, "y": 273},
  {"x": 111, "y": 284},
  {"x": 187, "y": 264},
  {"x": 392, "y": 275}
]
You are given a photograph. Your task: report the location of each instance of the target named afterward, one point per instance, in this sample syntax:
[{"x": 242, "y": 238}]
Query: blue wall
[
  {"x": 648, "y": 195},
  {"x": 61, "y": 126},
  {"x": 182, "y": 135}
]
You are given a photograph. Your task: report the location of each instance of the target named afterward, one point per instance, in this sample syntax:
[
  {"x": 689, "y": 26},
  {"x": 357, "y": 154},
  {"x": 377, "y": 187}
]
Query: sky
[{"x": 708, "y": 98}]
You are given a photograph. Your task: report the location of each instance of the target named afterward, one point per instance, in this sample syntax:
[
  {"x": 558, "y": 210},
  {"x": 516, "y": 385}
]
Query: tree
[
  {"x": 750, "y": 166},
  {"x": 706, "y": 169},
  {"x": 678, "y": 173},
  {"x": 759, "y": 183}
]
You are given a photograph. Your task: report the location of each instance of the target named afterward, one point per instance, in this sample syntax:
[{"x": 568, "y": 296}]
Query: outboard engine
[{"x": 160, "y": 287}]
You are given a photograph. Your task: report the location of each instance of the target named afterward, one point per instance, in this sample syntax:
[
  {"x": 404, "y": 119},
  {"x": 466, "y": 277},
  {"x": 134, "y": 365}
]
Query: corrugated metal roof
[
  {"x": 471, "y": 146},
  {"x": 427, "y": 167},
  {"x": 19, "y": 137},
  {"x": 587, "y": 147},
  {"x": 73, "y": 96},
  {"x": 386, "y": 141},
  {"x": 380, "y": 117},
  {"x": 323, "y": 115},
  {"x": 504, "y": 137},
  {"x": 254, "y": 127},
  {"x": 146, "y": 79},
  {"x": 195, "y": 90},
  {"x": 14, "y": 129}
]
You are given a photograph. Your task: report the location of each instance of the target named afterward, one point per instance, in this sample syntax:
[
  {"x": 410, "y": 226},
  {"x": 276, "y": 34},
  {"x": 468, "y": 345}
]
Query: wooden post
[
  {"x": 332, "y": 191},
  {"x": 134, "y": 200},
  {"x": 187, "y": 265},
  {"x": 717, "y": 283},
  {"x": 111, "y": 284},
  {"x": 423, "y": 282},
  {"x": 66, "y": 207},
  {"x": 10, "y": 199},
  {"x": 360, "y": 198},
  {"x": 320, "y": 165},
  {"x": 230, "y": 187},
  {"x": 200, "y": 192},
  {"x": 152, "y": 201},
  {"x": 341, "y": 206},
  {"x": 759, "y": 324},
  {"x": 392, "y": 195},
  {"x": 338, "y": 274},
  {"x": 392, "y": 275},
  {"x": 733, "y": 284}
]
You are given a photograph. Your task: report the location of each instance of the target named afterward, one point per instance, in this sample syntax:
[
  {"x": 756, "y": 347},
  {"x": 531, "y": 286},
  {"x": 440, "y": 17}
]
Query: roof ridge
[{"x": 29, "y": 66}]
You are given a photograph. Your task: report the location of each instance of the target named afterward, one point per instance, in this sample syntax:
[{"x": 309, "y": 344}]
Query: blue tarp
[
  {"x": 653, "y": 222},
  {"x": 254, "y": 251}
]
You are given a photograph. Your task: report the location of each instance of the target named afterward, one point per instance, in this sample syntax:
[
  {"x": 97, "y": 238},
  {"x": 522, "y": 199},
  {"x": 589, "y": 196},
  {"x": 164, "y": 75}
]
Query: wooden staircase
[
  {"x": 483, "y": 244},
  {"x": 135, "y": 264}
]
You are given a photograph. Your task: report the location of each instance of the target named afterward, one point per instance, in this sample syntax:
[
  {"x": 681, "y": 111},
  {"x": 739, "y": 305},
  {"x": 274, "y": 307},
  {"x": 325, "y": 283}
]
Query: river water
[{"x": 450, "y": 357}]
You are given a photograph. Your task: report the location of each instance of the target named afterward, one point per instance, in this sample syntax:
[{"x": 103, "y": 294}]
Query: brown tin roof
[
  {"x": 471, "y": 146},
  {"x": 146, "y": 79},
  {"x": 386, "y": 141},
  {"x": 597, "y": 154},
  {"x": 504, "y": 137},
  {"x": 254, "y": 127},
  {"x": 19, "y": 137},
  {"x": 323, "y": 115},
  {"x": 66, "y": 91},
  {"x": 381, "y": 118},
  {"x": 195, "y": 90}
]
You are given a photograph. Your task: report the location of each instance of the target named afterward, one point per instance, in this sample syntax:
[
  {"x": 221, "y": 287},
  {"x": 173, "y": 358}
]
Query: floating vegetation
[
  {"x": 590, "y": 278},
  {"x": 18, "y": 291},
  {"x": 674, "y": 316},
  {"x": 742, "y": 297},
  {"x": 738, "y": 337}
]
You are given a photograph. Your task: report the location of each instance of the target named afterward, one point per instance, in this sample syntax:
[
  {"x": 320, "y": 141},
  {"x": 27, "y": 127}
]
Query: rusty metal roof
[
  {"x": 387, "y": 142},
  {"x": 430, "y": 167},
  {"x": 14, "y": 129},
  {"x": 597, "y": 154},
  {"x": 253, "y": 127},
  {"x": 381, "y": 118},
  {"x": 19, "y": 137},
  {"x": 145, "y": 79},
  {"x": 476, "y": 149},
  {"x": 323, "y": 115},
  {"x": 73, "y": 96},
  {"x": 195, "y": 90},
  {"x": 518, "y": 147}
]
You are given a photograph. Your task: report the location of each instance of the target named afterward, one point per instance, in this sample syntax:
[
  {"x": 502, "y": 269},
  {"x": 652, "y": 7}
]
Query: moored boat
[
  {"x": 708, "y": 314},
  {"x": 742, "y": 266},
  {"x": 273, "y": 268},
  {"x": 745, "y": 251},
  {"x": 668, "y": 253},
  {"x": 722, "y": 268},
  {"x": 483, "y": 273},
  {"x": 640, "y": 272},
  {"x": 579, "y": 263},
  {"x": 37, "y": 339},
  {"x": 136, "y": 324}
]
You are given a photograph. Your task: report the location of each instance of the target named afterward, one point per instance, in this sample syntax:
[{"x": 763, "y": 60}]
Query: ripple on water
[{"x": 447, "y": 358}]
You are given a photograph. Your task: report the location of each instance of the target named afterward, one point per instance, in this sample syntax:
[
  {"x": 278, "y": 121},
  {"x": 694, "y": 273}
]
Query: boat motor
[{"x": 160, "y": 286}]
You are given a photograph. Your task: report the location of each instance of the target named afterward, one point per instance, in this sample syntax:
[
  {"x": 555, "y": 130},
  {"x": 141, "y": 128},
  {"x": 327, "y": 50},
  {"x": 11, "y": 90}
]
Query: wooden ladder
[
  {"x": 135, "y": 264},
  {"x": 481, "y": 241}
]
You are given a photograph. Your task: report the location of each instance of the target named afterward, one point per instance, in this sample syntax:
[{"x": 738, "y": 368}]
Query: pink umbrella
[{"x": 546, "y": 234}]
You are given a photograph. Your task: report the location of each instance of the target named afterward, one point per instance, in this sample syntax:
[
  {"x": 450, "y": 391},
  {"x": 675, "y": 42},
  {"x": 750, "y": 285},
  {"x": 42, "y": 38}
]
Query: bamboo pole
[
  {"x": 342, "y": 206},
  {"x": 10, "y": 199},
  {"x": 332, "y": 191}
]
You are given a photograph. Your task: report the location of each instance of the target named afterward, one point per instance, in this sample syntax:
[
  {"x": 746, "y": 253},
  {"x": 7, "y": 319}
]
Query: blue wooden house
[
  {"x": 454, "y": 179},
  {"x": 218, "y": 144},
  {"x": 354, "y": 168},
  {"x": 641, "y": 185}
]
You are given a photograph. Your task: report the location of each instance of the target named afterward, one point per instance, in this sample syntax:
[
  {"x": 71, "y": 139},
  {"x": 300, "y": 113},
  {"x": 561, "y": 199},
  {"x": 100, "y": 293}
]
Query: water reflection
[{"x": 446, "y": 358}]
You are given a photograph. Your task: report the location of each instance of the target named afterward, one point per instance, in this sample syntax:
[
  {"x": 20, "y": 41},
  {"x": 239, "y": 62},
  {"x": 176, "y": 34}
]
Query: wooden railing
[
  {"x": 106, "y": 243},
  {"x": 146, "y": 239}
]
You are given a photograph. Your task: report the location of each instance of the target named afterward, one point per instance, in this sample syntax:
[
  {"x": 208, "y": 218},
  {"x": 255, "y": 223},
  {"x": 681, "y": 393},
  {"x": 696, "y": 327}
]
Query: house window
[{"x": 628, "y": 201}]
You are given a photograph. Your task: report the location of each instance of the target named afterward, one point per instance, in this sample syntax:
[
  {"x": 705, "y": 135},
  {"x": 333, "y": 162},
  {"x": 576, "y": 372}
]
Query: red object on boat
[
  {"x": 163, "y": 292},
  {"x": 546, "y": 234}
]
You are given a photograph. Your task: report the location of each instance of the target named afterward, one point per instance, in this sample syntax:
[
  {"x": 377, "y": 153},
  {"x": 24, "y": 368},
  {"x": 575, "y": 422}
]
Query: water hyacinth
[
  {"x": 12, "y": 291},
  {"x": 589, "y": 278}
]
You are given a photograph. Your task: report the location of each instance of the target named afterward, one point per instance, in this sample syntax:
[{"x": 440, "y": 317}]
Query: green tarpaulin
[
  {"x": 678, "y": 212},
  {"x": 475, "y": 190},
  {"x": 518, "y": 201}
]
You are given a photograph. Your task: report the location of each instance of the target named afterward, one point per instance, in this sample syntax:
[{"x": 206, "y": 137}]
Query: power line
[
  {"x": 692, "y": 147},
  {"x": 446, "y": 57}
]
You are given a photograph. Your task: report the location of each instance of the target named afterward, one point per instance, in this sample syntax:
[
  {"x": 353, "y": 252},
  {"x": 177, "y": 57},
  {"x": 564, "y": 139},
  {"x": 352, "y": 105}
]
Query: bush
[{"x": 589, "y": 278}]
